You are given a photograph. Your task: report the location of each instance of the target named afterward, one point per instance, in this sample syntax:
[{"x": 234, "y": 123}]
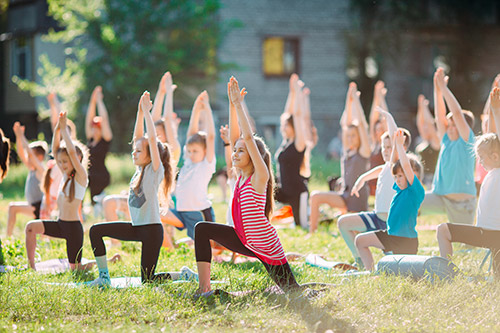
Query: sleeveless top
[
  {"x": 32, "y": 190},
  {"x": 97, "y": 168},
  {"x": 252, "y": 226},
  {"x": 288, "y": 169}
]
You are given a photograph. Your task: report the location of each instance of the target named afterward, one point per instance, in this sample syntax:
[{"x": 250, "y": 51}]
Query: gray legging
[
  {"x": 150, "y": 235},
  {"x": 227, "y": 237}
]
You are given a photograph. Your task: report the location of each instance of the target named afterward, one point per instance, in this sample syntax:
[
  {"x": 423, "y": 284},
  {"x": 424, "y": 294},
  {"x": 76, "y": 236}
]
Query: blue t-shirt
[
  {"x": 455, "y": 167},
  {"x": 403, "y": 212}
]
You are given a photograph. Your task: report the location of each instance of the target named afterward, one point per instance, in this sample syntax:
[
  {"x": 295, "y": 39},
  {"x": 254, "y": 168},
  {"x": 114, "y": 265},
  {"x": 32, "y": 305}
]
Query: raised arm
[
  {"x": 298, "y": 120},
  {"x": 55, "y": 108},
  {"x": 308, "y": 124},
  {"x": 21, "y": 151},
  {"x": 260, "y": 169},
  {"x": 290, "y": 99},
  {"x": 392, "y": 127},
  {"x": 228, "y": 151},
  {"x": 145, "y": 105},
  {"x": 455, "y": 108},
  {"x": 159, "y": 97},
  {"x": 495, "y": 111},
  {"x": 428, "y": 125},
  {"x": 210, "y": 127},
  {"x": 439, "y": 108},
  {"x": 234, "y": 126},
  {"x": 168, "y": 115},
  {"x": 107, "y": 134},
  {"x": 139, "y": 122},
  {"x": 379, "y": 93},
  {"x": 364, "y": 148},
  {"x": 399, "y": 140},
  {"x": 194, "y": 120},
  {"x": 91, "y": 112},
  {"x": 347, "y": 118},
  {"x": 80, "y": 170}
]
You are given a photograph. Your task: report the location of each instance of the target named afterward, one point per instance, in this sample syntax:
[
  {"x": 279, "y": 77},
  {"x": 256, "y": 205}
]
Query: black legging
[
  {"x": 150, "y": 235},
  {"x": 294, "y": 201},
  {"x": 227, "y": 237}
]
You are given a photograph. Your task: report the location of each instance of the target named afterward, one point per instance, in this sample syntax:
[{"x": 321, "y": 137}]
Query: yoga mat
[
  {"x": 316, "y": 261},
  {"x": 54, "y": 266}
]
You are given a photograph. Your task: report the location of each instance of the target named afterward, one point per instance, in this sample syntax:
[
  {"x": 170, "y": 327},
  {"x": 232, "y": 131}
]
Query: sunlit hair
[
  {"x": 40, "y": 148},
  {"x": 165, "y": 159},
  {"x": 266, "y": 156},
  {"x": 406, "y": 134},
  {"x": 4, "y": 155},
  {"x": 468, "y": 115},
  {"x": 415, "y": 163},
  {"x": 198, "y": 138},
  {"x": 83, "y": 154},
  {"x": 288, "y": 118},
  {"x": 487, "y": 143}
]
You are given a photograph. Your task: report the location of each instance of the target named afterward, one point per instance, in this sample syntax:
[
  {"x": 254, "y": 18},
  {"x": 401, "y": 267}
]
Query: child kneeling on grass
[
  {"x": 486, "y": 232},
  {"x": 400, "y": 236}
]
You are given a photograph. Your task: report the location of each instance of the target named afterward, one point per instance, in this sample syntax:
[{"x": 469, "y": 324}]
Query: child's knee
[
  {"x": 443, "y": 231},
  {"x": 200, "y": 229}
]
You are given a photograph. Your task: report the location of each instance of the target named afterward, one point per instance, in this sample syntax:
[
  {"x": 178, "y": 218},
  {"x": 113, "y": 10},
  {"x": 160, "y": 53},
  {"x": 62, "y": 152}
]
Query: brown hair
[
  {"x": 406, "y": 134},
  {"x": 4, "y": 155},
  {"x": 39, "y": 148},
  {"x": 82, "y": 152},
  {"x": 266, "y": 156},
  {"x": 198, "y": 138},
  {"x": 468, "y": 115},
  {"x": 415, "y": 163},
  {"x": 165, "y": 159}
]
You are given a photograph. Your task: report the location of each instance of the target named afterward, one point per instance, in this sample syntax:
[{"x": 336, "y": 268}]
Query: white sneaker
[
  {"x": 188, "y": 274},
  {"x": 102, "y": 282}
]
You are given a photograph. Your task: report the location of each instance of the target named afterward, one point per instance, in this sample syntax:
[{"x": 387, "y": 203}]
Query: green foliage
[{"x": 125, "y": 46}]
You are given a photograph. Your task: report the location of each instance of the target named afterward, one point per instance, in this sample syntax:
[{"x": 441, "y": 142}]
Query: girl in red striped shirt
[{"x": 252, "y": 234}]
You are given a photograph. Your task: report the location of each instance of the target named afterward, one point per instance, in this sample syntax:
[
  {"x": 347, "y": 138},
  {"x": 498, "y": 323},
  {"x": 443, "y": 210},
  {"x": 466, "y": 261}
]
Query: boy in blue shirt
[{"x": 400, "y": 236}]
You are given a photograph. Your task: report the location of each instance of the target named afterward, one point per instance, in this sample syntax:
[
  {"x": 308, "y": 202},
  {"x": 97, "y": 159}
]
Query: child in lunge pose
[
  {"x": 72, "y": 160},
  {"x": 152, "y": 160},
  {"x": 486, "y": 232},
  {"x": 351, "y": 224},
  {"x": 252, "y": 234},
  {"x": 400, "y": 236}
]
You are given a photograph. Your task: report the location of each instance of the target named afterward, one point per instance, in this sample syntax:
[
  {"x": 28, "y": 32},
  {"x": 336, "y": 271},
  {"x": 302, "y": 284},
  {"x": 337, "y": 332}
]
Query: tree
[{"x": 126, "y": 45}]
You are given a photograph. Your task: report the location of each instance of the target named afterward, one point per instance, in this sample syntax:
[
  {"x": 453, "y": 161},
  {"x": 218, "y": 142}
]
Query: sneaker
[
  {"x": 103, "y": 281},
  {"x": 188, "y": 274}
]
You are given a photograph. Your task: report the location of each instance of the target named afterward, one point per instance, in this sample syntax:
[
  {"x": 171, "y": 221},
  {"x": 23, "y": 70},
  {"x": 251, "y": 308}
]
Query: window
[
  {"x": 21, "y": 57},
  {"x": 280, "y": 56}
]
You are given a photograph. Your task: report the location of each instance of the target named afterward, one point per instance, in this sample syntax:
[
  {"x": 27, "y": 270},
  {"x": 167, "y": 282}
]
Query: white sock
[{"x": 102, "y": 265}]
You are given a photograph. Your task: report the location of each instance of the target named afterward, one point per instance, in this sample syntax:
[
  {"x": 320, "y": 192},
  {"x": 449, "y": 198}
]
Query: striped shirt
[{"x": 252, "y": 226}]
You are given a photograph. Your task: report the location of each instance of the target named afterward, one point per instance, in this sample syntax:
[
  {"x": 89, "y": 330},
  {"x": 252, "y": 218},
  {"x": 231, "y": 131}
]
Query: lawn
[{"x": 31, "y": 301}]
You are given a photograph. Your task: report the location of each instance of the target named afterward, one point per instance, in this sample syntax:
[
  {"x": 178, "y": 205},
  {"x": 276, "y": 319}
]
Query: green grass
[{"x": 384, "y": 303}]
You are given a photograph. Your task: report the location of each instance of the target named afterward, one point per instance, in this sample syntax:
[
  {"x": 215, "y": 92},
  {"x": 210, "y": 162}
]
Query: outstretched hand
[
  {"x": 63, "y": 120},
  {"x": 495, "y": 101},
  {"x": 293, "y": 79},
  {"x": 440, "y": 79},
  {"x": 166, "y": 84},
  {"x": 235, "y": 95},
  {"x": 380, "y": 89},
  {"x": 51, "y": 98},
  {"x": 357, "y": 186},
  {"x": 224, "y": 133},
  {"x": 351, "y": 92},
  {"x": 399, "y": 137},
  {"x": 97, "y": 94},
  {"x": 18, "y": 129},
  {"x": 145, "y": 103}
]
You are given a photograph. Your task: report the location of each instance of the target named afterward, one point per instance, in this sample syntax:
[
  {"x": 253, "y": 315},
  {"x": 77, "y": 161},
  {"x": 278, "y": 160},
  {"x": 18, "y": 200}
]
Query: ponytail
[
  {"x": 168, "y": 176},
  {"x": 266, "y": 156}
]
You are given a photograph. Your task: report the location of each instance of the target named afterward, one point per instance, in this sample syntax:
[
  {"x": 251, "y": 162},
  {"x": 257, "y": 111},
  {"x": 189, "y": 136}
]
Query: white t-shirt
[
  {"x": 144, "y": 207},
  {"x": 191, "y": 191},
  {"x": 385, "y": 190},
  {"x": 489, "y": 201}
]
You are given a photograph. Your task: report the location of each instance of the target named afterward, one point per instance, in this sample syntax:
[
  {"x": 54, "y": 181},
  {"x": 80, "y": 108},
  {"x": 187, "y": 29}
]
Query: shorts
[
  {"x": 396, "y": 244},
  {"x": 474, "y": 236},
  {"x": 461, "y": 212},
  {"x": 372, "y": 221},
  {"x": 36, "y": 206},
  {"x": 479, "y": 237},
  {"x": 72, "y": 232},
  {"x": 192, "y": 217}
]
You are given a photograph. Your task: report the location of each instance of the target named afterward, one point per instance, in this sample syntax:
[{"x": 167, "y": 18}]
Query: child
[
  {"x": 400, "y": 236},
  {"x": 4, "y": 168},
  {"x": 292, "y": 186},
  {"x": 486, "y": 232},
  {"x": 351, "y": 224},
  {"x": 192, "y": 203},
  {"x": 454, "y": 191},
  {"x": 72, "y": 160},
  {"x": 50, "y": 187},
  {"x": 32, "y": 155},
  {"x": 99, "y": 136},
  {"x": 355, "y": 161},
  {"x": 252, "y": 234},
  {"x": 152, "y": 160}
]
